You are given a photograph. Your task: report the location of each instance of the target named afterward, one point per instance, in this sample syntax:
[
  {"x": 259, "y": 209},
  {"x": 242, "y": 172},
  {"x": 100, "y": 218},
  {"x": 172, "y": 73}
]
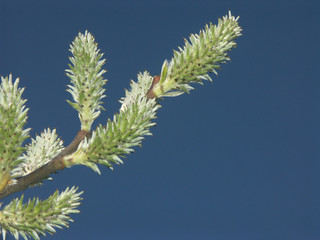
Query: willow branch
[
  {"x": 203, "y": 52},
  {"x": 57, "y": 163},
  {"x": 41, "y": 173}
]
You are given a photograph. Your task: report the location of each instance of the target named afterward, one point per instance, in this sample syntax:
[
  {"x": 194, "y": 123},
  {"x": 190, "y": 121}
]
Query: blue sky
[{"x": 236, "y": 159}]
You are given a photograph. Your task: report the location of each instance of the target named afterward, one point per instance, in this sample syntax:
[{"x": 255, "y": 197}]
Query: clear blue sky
[{"x": 236, "y": 159}]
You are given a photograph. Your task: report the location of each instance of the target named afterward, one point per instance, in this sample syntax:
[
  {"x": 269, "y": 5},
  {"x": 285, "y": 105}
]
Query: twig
[
  {"x": 41, "y": 173},
  {"x": 57, "y": 163}
]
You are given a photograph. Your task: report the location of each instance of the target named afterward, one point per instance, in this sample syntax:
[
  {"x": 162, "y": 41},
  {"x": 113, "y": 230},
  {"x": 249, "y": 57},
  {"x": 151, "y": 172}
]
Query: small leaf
[{"x": 164, "y": 71}]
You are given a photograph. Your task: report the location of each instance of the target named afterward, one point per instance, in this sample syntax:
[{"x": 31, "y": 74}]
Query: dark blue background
[{"x": 236, "y": 159}]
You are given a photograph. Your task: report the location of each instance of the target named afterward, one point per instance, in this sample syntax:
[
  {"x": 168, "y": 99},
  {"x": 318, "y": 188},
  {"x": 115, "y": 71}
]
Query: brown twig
[
  {"x": 43, "y": 172},
  {"x": 57, "y": 163}
]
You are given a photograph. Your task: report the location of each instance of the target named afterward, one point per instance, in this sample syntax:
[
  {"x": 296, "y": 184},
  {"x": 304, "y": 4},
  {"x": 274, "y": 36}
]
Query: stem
[
  {"x": 41, "y": 173},
  {"x": 57, "y": 163}
]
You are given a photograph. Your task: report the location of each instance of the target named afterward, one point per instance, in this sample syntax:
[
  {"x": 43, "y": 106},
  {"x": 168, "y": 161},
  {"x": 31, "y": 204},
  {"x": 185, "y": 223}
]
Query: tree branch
[
  {"x": 52, "y": 166},
  {"x": 57, "y": 163}
]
